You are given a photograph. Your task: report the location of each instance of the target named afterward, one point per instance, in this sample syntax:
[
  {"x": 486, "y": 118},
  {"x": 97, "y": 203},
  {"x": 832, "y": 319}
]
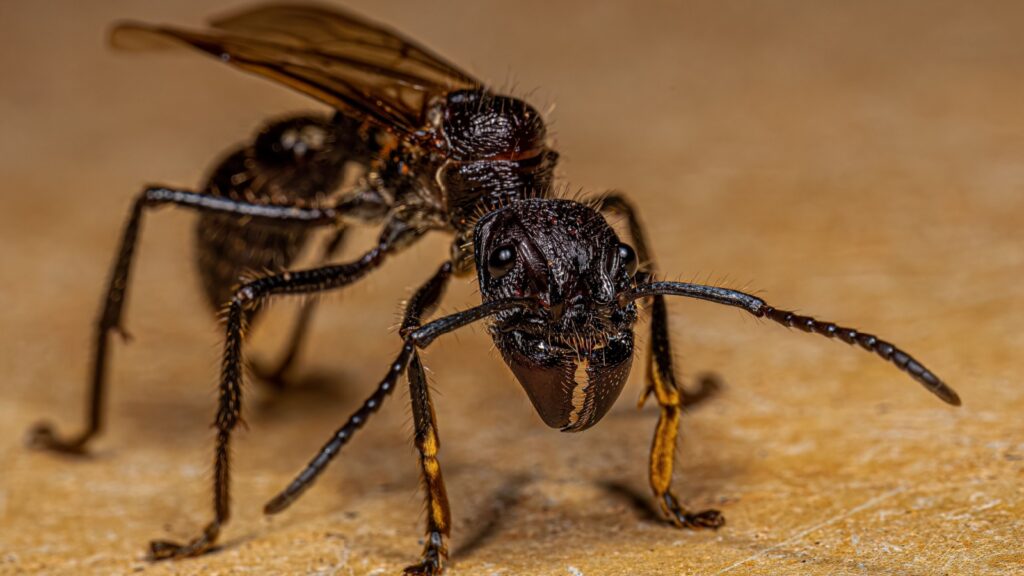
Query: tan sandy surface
[{"x": 862, "y": 162}]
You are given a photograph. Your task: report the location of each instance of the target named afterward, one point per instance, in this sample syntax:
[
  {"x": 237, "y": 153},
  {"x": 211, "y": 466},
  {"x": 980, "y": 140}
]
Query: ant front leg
[
  {"x": 661, "y": 379},
  {"x": 249, "y": 297},
  {"x": 435, "y": 551},
  {"x": 43, "y": 436},
  {"x": 428, "y": 443},
  {"x": 661, "y": 382}
]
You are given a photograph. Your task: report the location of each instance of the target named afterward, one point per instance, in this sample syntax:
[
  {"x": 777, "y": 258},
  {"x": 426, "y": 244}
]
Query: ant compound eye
[
  {"x": 627, "y": 258},
  {"x": 501, "y": 260}
]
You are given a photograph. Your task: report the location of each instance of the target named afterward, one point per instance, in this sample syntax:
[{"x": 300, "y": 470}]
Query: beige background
[{"x": 860, "y": 161}]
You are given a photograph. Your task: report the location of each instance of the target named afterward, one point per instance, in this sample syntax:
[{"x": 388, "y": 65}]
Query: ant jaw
[{"x": 572, "y": 384}]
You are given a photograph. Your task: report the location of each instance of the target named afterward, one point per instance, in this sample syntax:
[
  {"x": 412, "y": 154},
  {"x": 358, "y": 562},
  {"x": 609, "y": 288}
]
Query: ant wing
[{"x": 358, "y": 67}]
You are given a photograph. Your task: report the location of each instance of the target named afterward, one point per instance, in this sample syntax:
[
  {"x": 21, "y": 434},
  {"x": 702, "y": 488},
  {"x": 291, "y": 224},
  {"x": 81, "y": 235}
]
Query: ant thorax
[{"x": 496, "y": 153}]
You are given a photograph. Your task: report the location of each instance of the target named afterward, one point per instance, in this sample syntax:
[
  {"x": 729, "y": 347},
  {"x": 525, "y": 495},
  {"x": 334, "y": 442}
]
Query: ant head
[{"x": 573, "y": 352}]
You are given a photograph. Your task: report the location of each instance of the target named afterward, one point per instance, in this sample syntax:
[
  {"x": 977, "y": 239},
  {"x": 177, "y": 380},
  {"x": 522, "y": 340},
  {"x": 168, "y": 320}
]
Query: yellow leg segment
[
  {"x": 435, "y": 552},
  {"x": 661, "y": 380}
]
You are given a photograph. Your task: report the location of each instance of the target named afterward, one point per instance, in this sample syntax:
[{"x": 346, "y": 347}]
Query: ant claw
[
  {"x": 428, "y": 567},
  {"x": 712, "y": 519},
  {"x": 681, "y": 518},
  {"x": 167, "y": 550}
]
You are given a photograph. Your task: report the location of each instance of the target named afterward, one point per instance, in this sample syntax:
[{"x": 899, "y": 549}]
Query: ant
[{"x": 439, "y": 151}]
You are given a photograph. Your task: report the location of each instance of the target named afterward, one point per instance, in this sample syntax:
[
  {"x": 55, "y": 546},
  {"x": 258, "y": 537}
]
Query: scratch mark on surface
[{"x": 869, "y": 504}]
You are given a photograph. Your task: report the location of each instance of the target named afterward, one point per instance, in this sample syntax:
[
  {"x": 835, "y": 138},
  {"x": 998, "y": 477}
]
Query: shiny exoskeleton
[{"x": 438, "y": 151}]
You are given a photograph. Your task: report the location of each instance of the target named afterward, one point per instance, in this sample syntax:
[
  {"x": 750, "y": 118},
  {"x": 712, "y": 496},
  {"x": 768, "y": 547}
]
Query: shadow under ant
[{"x": 509, "y": 493}]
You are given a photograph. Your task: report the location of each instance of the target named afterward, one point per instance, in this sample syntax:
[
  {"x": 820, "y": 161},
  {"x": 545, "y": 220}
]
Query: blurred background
[{"x": 860, "y": 161}]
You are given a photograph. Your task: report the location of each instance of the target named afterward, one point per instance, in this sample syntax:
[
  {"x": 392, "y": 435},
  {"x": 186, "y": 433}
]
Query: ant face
[{"x": 573, "y": 352}]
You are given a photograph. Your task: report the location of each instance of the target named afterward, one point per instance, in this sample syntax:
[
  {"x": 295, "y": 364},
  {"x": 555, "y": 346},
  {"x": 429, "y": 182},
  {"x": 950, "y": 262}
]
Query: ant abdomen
[{"x": 295, "y": 159}]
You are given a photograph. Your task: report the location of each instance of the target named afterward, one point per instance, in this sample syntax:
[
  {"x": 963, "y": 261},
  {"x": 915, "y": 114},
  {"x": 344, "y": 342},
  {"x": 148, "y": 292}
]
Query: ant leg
[
  {"x": 435, "y": 551},
  {"x": 661, "y": 382},
  {"x": 42, "y": 435},
  {"x": 276, "y": 377},
  {"x": 428, "y": 443},
  {"x": 247, "y": 298},
  {"x": 661, "y": 379}
]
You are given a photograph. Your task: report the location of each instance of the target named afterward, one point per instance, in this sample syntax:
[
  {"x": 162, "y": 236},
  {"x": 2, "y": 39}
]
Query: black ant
[{"x": 440, "y": 152}]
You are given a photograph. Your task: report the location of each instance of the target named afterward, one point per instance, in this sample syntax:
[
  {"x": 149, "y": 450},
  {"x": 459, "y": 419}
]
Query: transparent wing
[{"x": 359, "y": 67}]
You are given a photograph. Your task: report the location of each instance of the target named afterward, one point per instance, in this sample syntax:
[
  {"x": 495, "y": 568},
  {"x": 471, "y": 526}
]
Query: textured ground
[{"x": 860, "y": 162}]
